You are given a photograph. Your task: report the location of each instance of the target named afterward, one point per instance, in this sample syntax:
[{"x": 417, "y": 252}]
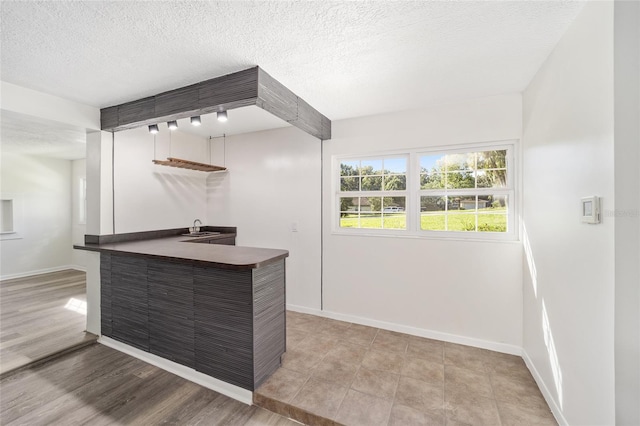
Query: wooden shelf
[{"x": 191, "y": 165}]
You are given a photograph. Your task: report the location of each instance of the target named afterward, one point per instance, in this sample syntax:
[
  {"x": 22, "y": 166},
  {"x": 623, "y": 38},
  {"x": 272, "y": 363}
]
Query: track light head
[
  {"x": 173, "y": 125},
  {"x": 195, "y": 121},
  {"x": 222, "y": 116},
  {"x": 153, "y": 129}
]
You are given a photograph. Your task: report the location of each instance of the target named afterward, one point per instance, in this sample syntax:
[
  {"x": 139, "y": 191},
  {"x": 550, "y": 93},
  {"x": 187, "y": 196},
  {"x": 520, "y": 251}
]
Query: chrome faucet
[{"x": 196, "y": 228}]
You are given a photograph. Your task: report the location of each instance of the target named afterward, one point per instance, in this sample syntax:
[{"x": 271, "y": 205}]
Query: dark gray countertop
[{"x": 185, "y": 249}]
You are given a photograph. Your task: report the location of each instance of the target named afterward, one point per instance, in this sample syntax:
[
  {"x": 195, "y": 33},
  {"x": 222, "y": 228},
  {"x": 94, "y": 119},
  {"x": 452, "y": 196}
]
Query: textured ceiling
[
  {"x": 34, "y": 136},
  {"x": 346, "y": 58}
]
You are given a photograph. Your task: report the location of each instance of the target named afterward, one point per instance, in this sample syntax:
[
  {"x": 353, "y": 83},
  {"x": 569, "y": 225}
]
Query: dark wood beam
[{"x": 252, "y": 86}]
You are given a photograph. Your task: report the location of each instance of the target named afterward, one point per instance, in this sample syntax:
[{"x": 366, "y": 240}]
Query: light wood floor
[
  {"x": 36, "y": 319},
  {"x": 97, "y": 385}
]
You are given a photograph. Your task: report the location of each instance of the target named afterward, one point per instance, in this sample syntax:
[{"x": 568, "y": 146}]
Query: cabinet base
[{"x": 232, "y": 391}]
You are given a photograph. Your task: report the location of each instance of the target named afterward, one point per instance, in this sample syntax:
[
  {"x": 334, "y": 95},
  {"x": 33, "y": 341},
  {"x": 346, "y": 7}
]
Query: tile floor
[{"x": 340, "y": 373}]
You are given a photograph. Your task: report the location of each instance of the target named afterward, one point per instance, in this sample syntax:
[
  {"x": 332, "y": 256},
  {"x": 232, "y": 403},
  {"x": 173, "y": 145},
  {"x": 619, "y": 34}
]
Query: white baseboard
[
  {"x": 557, "y": 412},
  {"x": 430, "y": 334},
  {"x": 41, "y": 271},
  {"x": 232, "y": 391},
  {"x": 78, "y": 268}
]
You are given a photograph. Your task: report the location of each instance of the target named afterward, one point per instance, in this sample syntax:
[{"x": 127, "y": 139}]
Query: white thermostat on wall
[{"x": 591, "y": 209}]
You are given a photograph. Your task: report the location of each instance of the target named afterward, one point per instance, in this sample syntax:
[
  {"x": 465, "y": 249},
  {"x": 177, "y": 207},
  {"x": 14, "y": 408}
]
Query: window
[
  {"x": 447, "y": 193},
  {"x": 6, "y": 216},
  {"x": 373, "y": 193},
  {"x": 464, "y": 191}
]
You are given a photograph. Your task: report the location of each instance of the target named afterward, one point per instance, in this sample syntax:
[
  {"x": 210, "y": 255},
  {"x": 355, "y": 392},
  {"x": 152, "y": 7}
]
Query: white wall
[
  {"x": 78, "y": 228},
  {"x": 273, "y": 182},
  {"x": 569, "y": 272},
  {"x": 41, "y": 188},
  {"x": 149, "y": 196},
  {"x": 422, "y": 285},
  {"x": 42, "y": 105},
  {"x": 627, "y": 210}
]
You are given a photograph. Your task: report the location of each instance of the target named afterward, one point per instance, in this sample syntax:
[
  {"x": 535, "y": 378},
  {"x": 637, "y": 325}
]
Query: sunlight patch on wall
[
  {"x": 553, "y": 354},
  {"x": 530, "y": 261}
]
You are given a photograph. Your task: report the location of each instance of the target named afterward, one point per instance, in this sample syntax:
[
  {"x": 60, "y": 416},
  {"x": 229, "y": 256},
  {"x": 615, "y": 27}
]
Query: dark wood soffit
[{"x": 252, "y": 86}]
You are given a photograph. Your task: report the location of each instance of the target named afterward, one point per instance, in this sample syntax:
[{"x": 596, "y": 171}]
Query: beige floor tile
[
  {"x": 295, "y": 336},
  {"x": 518, "y": 414},
  {"x": 520, "y": 391},
  {"x": 320, "y": 397},
  {"x": 422, "y": 369},
  {"x": 317, "y": 343},
  {"x": 377, "y": 383},
  {"x": 283, "y": 385},
  {"x": 360, "y": 334},
  {"x": 390, "y": 341},
  {"x": 482, "y": 411},
  {"x": 335, "y": 325},
  {"x": 300, "y": 361},
  {"x": 419, "y": 395},
  {"x": 359, "y": 409},
  {"x": 335, "y": 371},
  {"x": 461, "y": 380},
  {"x": 407, "y": 416},
  {"x": 451, "y": 422},
  {"x": 464, "y": 356},
  {"x": 347, "y": 352},
  {"x": 383, "y": 360},
  {"x": 506, "y": 365},
  {"x": 305, "y": 322},
  {"x": 432, "y": 350}
]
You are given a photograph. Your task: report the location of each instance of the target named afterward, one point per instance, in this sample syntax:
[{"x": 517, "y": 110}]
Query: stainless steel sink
[{"x": 201, "y": 234}]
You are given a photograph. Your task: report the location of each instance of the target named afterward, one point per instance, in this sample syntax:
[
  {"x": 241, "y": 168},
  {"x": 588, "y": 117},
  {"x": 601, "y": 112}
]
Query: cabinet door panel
[
  {"x": 129, "y": 301},
  {"x": 171, "y": 312},
  {"x": 172, "y": 338},
  {"x": 224, "y": 325}
]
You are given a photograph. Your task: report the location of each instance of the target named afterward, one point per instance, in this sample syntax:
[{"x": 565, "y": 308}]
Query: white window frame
[
  {"x": 370, "y": 194},
  {"x": 413, "y": 193}
]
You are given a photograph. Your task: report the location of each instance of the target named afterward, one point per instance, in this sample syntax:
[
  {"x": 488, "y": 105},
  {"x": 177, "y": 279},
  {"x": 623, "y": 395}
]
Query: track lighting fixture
[
  {"x": 153, "y": 129},
  {"x": 173, "y": 125},
  {"x": 195, "y": 121},
  {"x": 222, "y": 116}
]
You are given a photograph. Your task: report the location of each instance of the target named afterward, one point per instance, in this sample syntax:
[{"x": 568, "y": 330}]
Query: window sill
[
  {"x": 12, "y": 235},
  {"x": 510, "y": 239}
]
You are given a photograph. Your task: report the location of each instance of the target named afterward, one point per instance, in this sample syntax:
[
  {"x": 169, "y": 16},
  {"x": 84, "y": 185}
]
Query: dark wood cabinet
[
  {"x": 171, "y": 331},
  {"x": 228, "y": 324},
  {"x": 129, "y": 301},
  {"x": 105, "y": 295},
  {"x": 224, "y": 324}
]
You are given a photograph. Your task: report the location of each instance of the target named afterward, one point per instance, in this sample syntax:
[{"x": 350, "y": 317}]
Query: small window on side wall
[{"x": 6, "y": 216}]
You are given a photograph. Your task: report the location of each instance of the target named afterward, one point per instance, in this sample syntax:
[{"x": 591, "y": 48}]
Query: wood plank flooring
[
  {"x": 36, "y": 320},
  {"x": 98, "y": 385}
]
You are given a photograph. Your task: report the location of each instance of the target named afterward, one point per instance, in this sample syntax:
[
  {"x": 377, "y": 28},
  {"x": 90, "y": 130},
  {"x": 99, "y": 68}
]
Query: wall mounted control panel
[{"x": 591, "y": 210}]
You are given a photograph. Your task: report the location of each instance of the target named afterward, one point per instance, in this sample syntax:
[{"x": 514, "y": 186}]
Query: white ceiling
[
  {"x": 34, "y": 136},
  {"x": 346, "y": 58}
]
